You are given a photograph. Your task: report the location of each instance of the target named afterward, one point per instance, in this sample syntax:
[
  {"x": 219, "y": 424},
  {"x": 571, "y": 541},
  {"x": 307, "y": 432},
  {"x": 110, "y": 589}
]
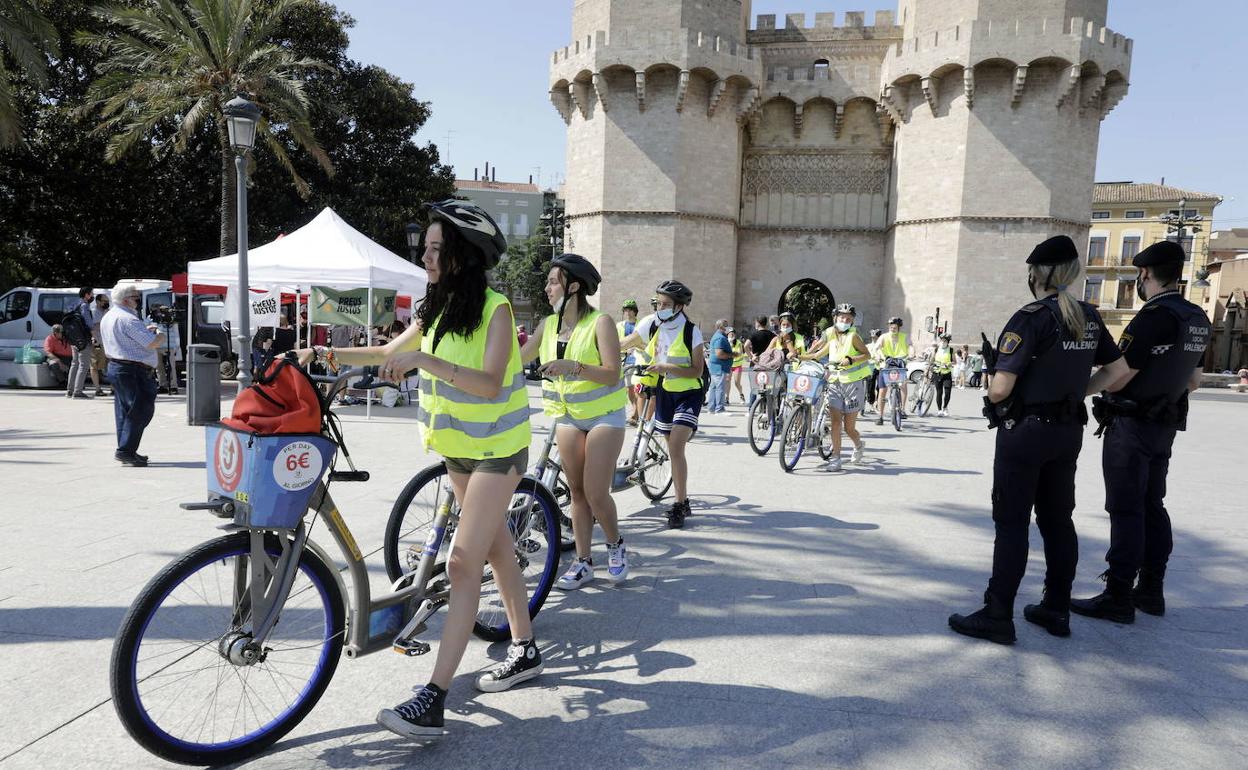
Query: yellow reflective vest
[
  {"x": 898, "y": 348},
  {"x": 942, "y": 361},
  {"x": 457, "y": 424},
  {"x": 678, "y": 354},
  {"x": 841, "y": 347},
  {"x": 578, "y": 398}
]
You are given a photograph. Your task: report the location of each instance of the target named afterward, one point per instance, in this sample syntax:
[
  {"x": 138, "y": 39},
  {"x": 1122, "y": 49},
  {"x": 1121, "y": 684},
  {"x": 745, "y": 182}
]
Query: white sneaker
[
  {"x": 834, "y": 465},
  {"x": 617, "y": 562},
  {"x": 857, "y": 458},
  {"x": 580, "y": 573}
]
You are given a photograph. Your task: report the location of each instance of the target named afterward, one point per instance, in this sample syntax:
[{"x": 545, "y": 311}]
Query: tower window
[{"x": 821, "y": 64}]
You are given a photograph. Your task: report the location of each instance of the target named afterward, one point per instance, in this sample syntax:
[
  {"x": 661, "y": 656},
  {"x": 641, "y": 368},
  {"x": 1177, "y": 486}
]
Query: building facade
[
  {"x": 1126, "y": 219},
  {"x": 906, "y": 165},
  {"x": 515, "y": 206}
]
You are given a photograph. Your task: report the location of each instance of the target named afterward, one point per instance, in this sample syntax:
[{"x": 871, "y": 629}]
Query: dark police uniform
[
  {"x": 1039, "y": 435},
  {"x": 1164, "y": 343}
]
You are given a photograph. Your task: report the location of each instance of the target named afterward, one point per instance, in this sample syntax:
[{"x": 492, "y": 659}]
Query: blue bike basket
[
  {"x": 892, "y": 376},
  {"x": 270, "y": 478},
  {"x": 808, "y": 386}
]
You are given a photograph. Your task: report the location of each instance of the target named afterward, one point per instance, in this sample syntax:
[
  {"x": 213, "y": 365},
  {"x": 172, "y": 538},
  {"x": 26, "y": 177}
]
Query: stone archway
[{"x": 811, "y": 302}]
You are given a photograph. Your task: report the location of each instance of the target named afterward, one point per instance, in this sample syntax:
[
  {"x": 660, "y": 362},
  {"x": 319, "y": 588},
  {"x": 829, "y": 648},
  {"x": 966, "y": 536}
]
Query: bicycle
[
  {"x": 924, "y": 393},
  {"x": 648, "y": 466},
  {"x": 766, "y": 413},
  {"x": 233, "y": 643},
  {"x": 808, "y": 409},
  {"x": 892, "y": 375}
]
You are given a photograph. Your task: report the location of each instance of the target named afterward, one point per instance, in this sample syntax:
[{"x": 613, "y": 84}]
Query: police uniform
[
  {"x": 1164, "y": 343},
  {"x": 1039, "y": 435}
]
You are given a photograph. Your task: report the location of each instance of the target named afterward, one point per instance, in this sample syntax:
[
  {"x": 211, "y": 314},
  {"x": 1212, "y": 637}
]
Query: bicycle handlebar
[{"x": 368, "y": 380}]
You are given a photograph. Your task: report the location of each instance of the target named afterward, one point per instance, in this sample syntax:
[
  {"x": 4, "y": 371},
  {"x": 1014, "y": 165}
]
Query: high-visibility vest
[
  {"x": 738, "y": 354},
  {"x": 942, "y": 362},
  {"x": 639, "y": 358},
  {"x": 577, "y": 398},
  {"x": 842, "y": 348},
  {"x": 798, "y": 341},
  {"x": 678, "y": 354},
  {"x": 895, "y": 348},
  {"x": 455, "y": 423}
]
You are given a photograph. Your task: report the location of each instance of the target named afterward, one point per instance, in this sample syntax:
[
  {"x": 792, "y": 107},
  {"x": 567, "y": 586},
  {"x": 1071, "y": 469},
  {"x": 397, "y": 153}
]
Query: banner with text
[
  {"x": 265, "y": 308},
  {"x": 350, "y": 308}
]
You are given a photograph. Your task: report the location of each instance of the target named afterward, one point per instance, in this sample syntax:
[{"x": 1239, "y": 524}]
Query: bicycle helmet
[
  {"x": 786, "y": 314},
  {"x": 474, "y": 224},
  {"x": 895, "y": 321},
  {"x": 847, "y": 309},
  {"x": 947, "y": 337},
  {"x": 577, "y": 268},
  {"x": 680, "y": 293},
  {"x": 629, "y": 304}
]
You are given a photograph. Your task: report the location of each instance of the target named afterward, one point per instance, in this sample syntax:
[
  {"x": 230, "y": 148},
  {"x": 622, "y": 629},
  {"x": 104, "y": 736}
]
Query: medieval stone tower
[{"x": 907, "y": 165}]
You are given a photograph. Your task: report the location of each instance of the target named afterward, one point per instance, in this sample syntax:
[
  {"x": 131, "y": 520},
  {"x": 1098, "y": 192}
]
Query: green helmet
[{"x": 629, "y": 304}]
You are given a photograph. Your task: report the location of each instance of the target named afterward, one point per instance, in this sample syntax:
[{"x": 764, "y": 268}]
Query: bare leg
[
  {"x": 676, "y": 442},
  {"x": 482, "y": 534},
  {"x": 602, "y": 447},
  {"x": 572, "y": 455},
  {"x": 851, "y": 428},
  {"x": 837, "y": 418}
]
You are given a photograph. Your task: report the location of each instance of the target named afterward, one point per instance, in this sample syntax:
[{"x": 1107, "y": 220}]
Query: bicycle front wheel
[
  {"x": 186, "y": 681},
  {"x": 655, "y": 472},
  {"x": 924, "y": 398},
  {"x": 894, "y": 403},
  {"x": 793, "y": 437},
  {"x": 411, "y": 518},
  {"x": 824, "y": 436},
  {"x": 533, "y": 520},
  {"x": 760, "y": 429}
]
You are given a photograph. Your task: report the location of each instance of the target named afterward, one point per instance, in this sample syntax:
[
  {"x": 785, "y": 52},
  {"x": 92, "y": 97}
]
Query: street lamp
[
  {"x": 242, "y": 119},
  {"x": 414, "y": 232}
]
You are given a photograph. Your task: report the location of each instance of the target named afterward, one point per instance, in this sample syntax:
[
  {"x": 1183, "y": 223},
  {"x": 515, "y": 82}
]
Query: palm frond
[
  {"x": 279, "y": 152},
  {"x": 10, "y": 125}
]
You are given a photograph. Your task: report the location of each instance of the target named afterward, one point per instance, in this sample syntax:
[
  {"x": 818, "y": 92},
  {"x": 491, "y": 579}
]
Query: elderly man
[
  {"x": 59, "y": 353},
  {"x": 720, "y": 362},
  {"x": 130, "y": 346}
]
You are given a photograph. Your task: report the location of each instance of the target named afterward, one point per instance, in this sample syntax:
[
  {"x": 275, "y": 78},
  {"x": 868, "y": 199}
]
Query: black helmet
[
  {"x": 947, "y": 337},
  {"x": 579, "y": 269},
  {"x": 680, "y": 293},
  {"x": 876, "y": 332},
  {"x": 629, "y": 304},
  {"x": 895, "y": 321},
  {"x": 846, "y": 308},
  {"x": 474, "y": 224}
]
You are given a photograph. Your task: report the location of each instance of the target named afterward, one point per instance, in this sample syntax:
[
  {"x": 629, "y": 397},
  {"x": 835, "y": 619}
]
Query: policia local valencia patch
[{"x": 1010, "y": 342}]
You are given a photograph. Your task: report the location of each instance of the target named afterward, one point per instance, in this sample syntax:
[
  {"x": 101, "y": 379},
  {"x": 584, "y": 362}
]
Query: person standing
[
  {"x": 622, "y": 329},
  {"x": 942, "y": 364},
  {"x": 893, "y": 345},
  {"x": 849, "y": 360},
  {"x": 130, "y": 346},
  {"x": 738, "y": 363},
  {"x": 720, "y": 362},
  {"x": 675, "y": 347},
  {"x": 975, "y": 365},
  {"x": 579, "y": 349},
  {"x": 873, "y": 382},
  {"x": 80, "y": 365},
  {"x": 755, "y": 345},
  {"x": 1042, "y": 375},
  {"x": 99, "y": 362},
  {"x": 1163, "y": 346}
]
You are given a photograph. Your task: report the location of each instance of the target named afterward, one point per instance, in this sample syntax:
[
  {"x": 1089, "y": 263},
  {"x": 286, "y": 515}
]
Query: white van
[{"x": 27, "y": 314}]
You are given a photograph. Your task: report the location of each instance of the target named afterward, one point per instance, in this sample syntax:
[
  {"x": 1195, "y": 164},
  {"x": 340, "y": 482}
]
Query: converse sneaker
[
  {"x": 524, "y": 662},
  {"x": 857, "y": 458},
  {"x": 580, "y": 573},
  {"x": 617, "y": 561},
  {"x": 418, "y": 717},
  {"x": 676, "y": 515}
]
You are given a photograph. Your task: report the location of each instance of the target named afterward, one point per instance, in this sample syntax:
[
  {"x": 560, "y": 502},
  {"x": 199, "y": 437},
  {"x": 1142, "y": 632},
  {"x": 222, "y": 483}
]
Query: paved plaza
[{"x": 799, "y": 620}]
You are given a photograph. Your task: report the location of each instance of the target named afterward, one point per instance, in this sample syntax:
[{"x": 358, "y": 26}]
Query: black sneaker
[
  {"x": 418, "y": 717},
  {"x": 1113, "y": 604},
  {"x": 132, "y": 458},
  {"x": 676, "y": 515},
  {"x": 524, "y": 662}
]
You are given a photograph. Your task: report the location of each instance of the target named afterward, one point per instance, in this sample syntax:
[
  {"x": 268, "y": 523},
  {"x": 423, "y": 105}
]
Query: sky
[{"x": 484, "y": 65}]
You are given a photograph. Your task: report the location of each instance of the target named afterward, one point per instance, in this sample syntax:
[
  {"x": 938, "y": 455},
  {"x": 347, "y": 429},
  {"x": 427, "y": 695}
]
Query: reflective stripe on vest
[
  {"x": 845, "y": 349},
  {"x": 457, "y": 424},
  {"x": 677, "y": 355},
  {"x": 898, "y": 348},
  {"x": 580, "y": 399}
]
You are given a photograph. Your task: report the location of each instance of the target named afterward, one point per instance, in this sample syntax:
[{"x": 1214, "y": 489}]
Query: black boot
[
  {"x": 1147, "y": 595},
  {"x": 1051, "y": 614},
  {"x": 1112, "y": 604},
  {"x": 994, "y": 622}
]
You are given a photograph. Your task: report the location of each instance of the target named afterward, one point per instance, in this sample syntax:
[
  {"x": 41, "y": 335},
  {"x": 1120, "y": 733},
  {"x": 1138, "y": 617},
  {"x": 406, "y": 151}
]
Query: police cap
[
  {"x": 1054, "y": 251},
  {"x": 1159, "y": 253}
]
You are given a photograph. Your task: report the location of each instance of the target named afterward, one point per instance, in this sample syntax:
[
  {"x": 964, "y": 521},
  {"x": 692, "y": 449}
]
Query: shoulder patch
[
  {"x": 1010, "y": 342},
  {"x": 1033, "y": 307},
  {"x": 1124, "y": 342}
]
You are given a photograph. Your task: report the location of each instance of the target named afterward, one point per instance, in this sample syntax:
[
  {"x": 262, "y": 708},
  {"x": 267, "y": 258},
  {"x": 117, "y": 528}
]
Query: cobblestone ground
[{"x": 799, "y": 620}]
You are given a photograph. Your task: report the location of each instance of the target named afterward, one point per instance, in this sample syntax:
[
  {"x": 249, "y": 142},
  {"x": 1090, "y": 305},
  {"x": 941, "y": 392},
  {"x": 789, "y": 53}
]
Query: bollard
[{"x": 203, "y": 384}]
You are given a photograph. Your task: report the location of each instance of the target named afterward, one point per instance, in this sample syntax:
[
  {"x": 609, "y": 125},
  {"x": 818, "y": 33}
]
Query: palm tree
[
  {"x": 26, "y": 36},
  {"x": 168, "y": 72}
]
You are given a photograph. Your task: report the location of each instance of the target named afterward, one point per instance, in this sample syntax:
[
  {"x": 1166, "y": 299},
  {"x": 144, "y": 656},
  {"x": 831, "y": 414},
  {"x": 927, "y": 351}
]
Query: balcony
[{"x": 1114, "y": 263}]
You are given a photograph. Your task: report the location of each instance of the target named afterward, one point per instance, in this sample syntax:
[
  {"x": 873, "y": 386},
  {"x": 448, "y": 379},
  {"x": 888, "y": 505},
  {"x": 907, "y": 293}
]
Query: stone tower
[
  {"x": 997, "y": 106},
  {"x": 655, "y": 94}
]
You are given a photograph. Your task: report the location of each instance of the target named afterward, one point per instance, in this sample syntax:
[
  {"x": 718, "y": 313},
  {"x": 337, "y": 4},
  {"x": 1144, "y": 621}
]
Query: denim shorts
[
  {"x": 609, "y": 420},
  {"x": 517, "y": 463}
]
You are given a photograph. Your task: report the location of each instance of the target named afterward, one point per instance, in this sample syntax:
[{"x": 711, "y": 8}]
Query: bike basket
[
  {"x": 768, "y": 380},
  {"x": 806, "y": 385},
  {"x": 892, "y": 376},
  {"x": 270, "y": 478}
]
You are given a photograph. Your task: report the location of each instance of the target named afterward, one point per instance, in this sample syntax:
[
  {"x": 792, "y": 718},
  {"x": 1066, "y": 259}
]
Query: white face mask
[
  {"x": 559, "y": 305},
  {"x": 842, "y": 326},
  {"x": 786, "y": 329},
  {"x": 666, "y": 314}
]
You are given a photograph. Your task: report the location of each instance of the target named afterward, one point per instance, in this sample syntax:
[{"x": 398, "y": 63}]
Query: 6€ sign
[{"x": 297, "y": 465}]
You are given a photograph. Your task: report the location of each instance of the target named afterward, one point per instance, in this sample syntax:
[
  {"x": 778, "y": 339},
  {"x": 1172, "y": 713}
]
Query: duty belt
[{"x": 1108, "y": 407}]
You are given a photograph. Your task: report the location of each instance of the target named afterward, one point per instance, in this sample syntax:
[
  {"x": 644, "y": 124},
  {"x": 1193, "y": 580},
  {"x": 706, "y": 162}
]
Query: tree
[
  {"x": 810, "y": 303},
  {"x": 522, "y": 273},
  {"x": 26, "y": 36},
  {"x": 172, "y": 67}
]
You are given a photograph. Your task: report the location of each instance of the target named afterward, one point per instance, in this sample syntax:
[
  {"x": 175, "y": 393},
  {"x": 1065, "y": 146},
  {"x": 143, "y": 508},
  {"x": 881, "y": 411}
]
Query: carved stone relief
[{"x": 816, "y": 173}]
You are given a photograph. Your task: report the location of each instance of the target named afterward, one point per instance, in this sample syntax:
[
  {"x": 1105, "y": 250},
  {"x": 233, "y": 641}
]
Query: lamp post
[
  {"x": 1179, "y": 224},
  {"x": 413, "y": 242},
  {"x": 242, "y": 118}
]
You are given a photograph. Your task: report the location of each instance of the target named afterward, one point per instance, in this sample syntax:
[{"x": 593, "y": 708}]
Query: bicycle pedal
[
  {"x": 529, "y": 545},
  {"x": 411, "y": 648}
]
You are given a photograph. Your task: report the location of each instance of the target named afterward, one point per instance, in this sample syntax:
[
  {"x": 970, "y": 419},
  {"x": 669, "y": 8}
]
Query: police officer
[
  {"x": 1163, "y": 346},
  {"x": 1041, "y": 376}
]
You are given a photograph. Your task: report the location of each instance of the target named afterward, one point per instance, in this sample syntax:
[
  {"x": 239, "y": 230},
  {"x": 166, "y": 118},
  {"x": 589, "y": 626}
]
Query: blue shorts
[{"x": 672, "y": 409}]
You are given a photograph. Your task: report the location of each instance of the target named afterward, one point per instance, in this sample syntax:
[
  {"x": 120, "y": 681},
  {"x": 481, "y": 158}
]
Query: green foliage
[
  {"x": 522, "y": 274},
  {"x": 811, "y": 304},
  {"x": 27, "y": 37}
]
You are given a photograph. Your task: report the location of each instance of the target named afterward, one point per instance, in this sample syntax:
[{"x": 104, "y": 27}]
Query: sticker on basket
[
  {"x": 802, "y": 384},
  {"x": 297, "y": 466},
  {"x": 761, "y": 378},
  {"x": 227, "y": 460}
]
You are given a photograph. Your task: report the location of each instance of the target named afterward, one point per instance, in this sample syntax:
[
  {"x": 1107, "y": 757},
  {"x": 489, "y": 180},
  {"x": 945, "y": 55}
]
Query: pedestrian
[
  {"x": 674, "y": 345},
  {"x": 849, "y": 362},
  {"x": 59, "y": 353},
  {"x": 960, "y": 355},
  {"x": 756, "y": 344},
  {"x": 738, "y": 363},
  {"x": 474, "y": 412},
  {"x": 80, "y": 365},
  {"x": 1041, "y": 377},
  {"x": 522, "y": 335},
  {"x": 975, "y": 364},
  {"x": 773, "y": 324},
  {"x": 130, "y": 346},
  {"x": 894, "y": 346},
  {"x": 873, "y": 383},
  {"x": 720, "y": 362},
  {"x": 788, "y": 339},
  {"x": 99, "y": 362},
  {"x": 942, "y": 364},
  {"x": 1164, "y": 346},
  {"x": 628, "y": 310},
  {"x": 579, "y": 349}
]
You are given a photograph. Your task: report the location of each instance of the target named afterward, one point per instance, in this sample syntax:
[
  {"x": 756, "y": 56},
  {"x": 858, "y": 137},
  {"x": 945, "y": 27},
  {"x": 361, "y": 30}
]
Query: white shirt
[
  {"x": 126, "y": 337},
  {"x": 668, "y": 333}
]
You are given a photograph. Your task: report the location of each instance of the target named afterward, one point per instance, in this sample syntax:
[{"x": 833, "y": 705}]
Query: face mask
[
  {"x": 559, "y": 305},
  {"x": 841, "y": 326},
  {"x": 944, "y": 346},
  {"x": 666, "y": 314},
  {"x": 1139, "y": 286},
  {"x": 786, "y": 329}
]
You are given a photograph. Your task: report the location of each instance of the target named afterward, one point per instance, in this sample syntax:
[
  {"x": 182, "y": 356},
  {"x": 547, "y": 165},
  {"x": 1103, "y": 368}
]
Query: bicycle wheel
[
  {"x": 563, "y": 498},
  {"x": 894, "y": 403},
  {"x": 824, "y": 433},
  {"x": 534, "y": 524},
  {"x": 760, "y": 429},
  {"x": 411, "y": 518},
  {"x": 184, "y": 683},
  {"x": 656, "y": 469},
  {"x": 924, "y": 399},
  {"x": 793, "y": 437}
]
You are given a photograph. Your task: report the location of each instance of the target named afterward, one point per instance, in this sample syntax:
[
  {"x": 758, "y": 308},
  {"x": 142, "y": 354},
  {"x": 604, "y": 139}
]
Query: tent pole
[{"x": 368, "y": 339}]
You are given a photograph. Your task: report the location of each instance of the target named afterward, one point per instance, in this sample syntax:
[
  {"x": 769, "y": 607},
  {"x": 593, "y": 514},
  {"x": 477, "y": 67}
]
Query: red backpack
[{"x": 283, "y": 400}]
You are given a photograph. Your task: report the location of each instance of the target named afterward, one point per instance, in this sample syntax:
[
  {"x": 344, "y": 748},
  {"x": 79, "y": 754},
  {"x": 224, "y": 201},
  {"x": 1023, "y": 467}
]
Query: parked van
[{"x": 27, "y": 314}]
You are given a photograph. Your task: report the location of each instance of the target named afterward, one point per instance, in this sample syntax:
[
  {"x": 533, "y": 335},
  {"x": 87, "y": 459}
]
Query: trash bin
[{"x": 203, "y": 384}]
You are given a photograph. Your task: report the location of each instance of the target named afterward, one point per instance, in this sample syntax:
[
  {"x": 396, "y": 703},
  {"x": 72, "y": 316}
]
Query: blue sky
[{"x": 484, "y": 64}]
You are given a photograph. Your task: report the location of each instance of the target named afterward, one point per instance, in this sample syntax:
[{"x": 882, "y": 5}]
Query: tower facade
[{"x": 905, "y": 165}]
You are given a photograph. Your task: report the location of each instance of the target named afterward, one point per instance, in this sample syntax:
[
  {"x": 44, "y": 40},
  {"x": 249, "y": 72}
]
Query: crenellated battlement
[
  {"x": 626, "y": 43},
  {"x": 795, "y": 23},
  {"x": 1018, "y": 29}
]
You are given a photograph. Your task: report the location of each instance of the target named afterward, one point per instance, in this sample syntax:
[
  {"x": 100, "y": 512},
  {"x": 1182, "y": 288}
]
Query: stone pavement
[{"x": 799, "y": 620}]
